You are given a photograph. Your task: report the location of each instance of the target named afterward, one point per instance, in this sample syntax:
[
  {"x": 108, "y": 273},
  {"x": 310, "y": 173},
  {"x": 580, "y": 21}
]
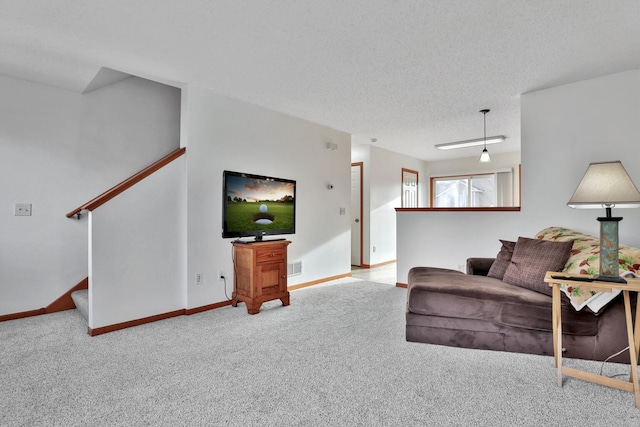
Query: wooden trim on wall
[
  {"x": 463, "y": 174},
  {"x": 190, "y": 311},
  {"x": 430, "y": 192},
  {"x": 150, "y": 319},
  {"x": 129, "y": 182},
  {"x": 401, "y": 285},
  {"x": 22, "y": 314},
  {"x": 64, "y": 302},
  {"x": 380, "y": 264},
  {"x": 130, "y": 323},
  {"x": 499, "y": 209},
  {"x": 316, "y": 282}
]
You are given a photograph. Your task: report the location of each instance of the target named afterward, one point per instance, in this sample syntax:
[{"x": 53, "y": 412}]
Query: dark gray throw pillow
[
  {"x": 531, "y": 260},
  {"x": 503, "y": 259}
]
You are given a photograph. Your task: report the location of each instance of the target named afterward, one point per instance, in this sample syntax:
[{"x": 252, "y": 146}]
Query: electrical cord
[
  {"x": 611, "y": 357},
  {"x": 225, "y": 288}
]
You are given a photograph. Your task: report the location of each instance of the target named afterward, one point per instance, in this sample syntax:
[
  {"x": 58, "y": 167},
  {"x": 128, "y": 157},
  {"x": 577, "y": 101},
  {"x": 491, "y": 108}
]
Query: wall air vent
[{"x": 294, "y": 268}]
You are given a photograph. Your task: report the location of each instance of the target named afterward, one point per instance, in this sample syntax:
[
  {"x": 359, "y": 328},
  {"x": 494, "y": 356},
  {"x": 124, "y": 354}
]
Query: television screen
[{"x": 255, "y": 205}]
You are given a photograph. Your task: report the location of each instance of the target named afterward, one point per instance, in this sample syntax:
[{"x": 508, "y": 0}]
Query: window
[{"x": 472, "y": 191}]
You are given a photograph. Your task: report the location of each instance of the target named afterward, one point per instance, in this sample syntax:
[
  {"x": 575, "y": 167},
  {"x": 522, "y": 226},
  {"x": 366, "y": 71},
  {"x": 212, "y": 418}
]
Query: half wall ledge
[{"x": 498, "y": 209}]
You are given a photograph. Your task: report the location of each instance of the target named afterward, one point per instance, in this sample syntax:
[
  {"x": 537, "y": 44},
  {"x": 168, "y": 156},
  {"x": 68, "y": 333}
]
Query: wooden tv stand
[{"x": 260, "y": 273}]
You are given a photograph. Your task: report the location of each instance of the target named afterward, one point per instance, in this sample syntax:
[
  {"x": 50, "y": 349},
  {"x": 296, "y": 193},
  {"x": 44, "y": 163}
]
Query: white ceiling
[{"x": 411, "y": 73}]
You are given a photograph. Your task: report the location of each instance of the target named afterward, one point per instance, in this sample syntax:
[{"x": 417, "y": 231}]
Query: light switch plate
[{"x": 22, "y": 209}]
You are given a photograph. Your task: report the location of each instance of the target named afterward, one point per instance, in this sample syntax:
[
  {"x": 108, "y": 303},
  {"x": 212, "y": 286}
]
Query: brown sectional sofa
[{"x": 448, "y": 307}]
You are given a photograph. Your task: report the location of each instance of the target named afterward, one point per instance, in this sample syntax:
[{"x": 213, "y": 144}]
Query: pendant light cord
[
  {"x": 484, "y": 112},
  {"x": 484, "y": 157},
  {"x": 485, "y": 129}
]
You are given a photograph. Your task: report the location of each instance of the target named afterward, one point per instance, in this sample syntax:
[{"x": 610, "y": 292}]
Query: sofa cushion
[
  {"x": 450, "y": 293},
  {"x": 539, "y": 318},
  {"x": 451, "y": 296},
  {"x": 531, "y": 260},
  {"x": 503, "y": 259}
]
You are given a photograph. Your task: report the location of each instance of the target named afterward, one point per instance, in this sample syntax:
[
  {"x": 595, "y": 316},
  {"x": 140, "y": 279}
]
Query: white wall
[
  {"x": 59, "y": 150},
  {"x": 137, "y": 243},
  {"x": 566, "y": 128},
  {"x": 221, "y": 133},
  {"x": 563, "y": 130},
  {"x": 470, "y": 165},
  {"x": 382, "y": 170}
]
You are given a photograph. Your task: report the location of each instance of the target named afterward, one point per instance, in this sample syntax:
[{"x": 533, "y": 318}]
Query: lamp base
[{"x": 609, "y": 263}]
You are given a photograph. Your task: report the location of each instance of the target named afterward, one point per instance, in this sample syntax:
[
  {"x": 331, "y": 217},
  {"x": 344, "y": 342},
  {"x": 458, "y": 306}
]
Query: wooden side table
[
  {"x": 633, "y": 331},
  {"x": 260, "y": 273}
]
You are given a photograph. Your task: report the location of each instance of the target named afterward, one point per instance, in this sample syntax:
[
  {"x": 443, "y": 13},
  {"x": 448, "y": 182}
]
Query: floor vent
[{"x": 294, "y": 268}]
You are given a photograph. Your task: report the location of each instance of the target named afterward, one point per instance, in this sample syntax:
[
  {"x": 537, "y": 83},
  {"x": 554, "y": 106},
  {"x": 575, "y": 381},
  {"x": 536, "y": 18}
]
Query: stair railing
[{"x": 127, "y": 183}]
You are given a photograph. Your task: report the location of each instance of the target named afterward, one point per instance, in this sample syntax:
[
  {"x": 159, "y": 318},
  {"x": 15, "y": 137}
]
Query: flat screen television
[{"x": 256, "y": 206}]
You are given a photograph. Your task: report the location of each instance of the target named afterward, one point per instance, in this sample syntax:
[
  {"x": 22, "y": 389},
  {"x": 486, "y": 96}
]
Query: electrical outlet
[
  {"x": 198, "y": 278},
  {"x": 221, "y": 275},
  {"x": 22, "y": 209}
]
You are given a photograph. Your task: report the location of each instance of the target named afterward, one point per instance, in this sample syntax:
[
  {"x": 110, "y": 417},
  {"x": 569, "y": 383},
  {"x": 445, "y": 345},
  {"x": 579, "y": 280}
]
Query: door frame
[
  {"x": 402, "y": 201},
  {"x": 360, "y": 166}
]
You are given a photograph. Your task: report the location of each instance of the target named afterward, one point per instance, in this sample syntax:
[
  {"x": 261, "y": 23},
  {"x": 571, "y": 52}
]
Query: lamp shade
[
  {"x": 605, "y": 185},
  {"x": 485, "y": 157}
]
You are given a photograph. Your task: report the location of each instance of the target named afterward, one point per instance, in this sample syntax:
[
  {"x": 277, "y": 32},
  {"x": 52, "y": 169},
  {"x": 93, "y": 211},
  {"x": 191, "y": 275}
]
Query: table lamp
[{"x": 606, "y": 185}]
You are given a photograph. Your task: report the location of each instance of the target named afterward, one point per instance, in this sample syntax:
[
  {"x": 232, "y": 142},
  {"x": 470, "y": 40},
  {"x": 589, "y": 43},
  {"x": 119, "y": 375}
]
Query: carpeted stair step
[{"x": 81, "y": 300}]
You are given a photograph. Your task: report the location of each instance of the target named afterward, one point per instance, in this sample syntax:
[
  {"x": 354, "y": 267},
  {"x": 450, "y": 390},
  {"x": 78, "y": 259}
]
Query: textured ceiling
[{"x": 411, "y": 73}]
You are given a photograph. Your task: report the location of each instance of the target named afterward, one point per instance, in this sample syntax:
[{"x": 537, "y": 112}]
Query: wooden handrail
[{"x": 129, "y": 182}]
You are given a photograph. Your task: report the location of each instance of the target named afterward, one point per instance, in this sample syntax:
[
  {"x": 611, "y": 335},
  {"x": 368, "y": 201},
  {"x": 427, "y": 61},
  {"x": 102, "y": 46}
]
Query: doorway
[
  {"x": 356, "y": 213},
  {"x": 409, "y": 188}
]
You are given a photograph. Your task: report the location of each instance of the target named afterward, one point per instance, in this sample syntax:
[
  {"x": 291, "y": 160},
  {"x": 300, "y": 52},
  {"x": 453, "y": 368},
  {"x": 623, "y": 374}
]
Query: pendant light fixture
[{"x": 484, "y": 157}]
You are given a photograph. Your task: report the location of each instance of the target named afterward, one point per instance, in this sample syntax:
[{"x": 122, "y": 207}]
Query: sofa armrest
[{"x": 479, "y": 266}]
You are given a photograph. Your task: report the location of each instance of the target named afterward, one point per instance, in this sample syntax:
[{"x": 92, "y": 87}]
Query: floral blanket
[{"x": 585, "y": 259}]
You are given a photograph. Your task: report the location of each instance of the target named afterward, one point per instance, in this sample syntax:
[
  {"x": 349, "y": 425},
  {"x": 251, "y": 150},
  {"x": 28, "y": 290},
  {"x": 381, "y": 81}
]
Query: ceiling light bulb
[{"x": 485, "y": 157}]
